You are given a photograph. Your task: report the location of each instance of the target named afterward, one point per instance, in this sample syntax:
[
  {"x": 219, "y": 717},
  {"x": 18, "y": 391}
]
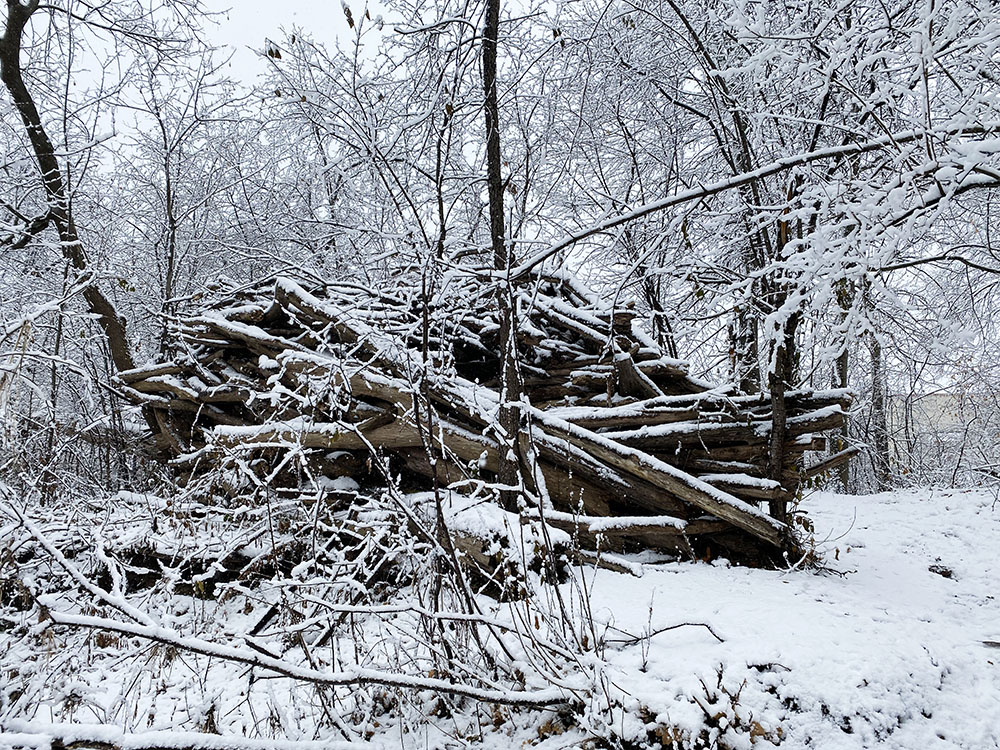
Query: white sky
[{"x": 243, "y": 25}]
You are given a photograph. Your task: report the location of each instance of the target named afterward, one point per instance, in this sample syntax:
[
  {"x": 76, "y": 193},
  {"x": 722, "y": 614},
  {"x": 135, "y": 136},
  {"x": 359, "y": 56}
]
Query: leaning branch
[
  {"x": 59, "y": 212},
  {"x": 741, "y": 180}
]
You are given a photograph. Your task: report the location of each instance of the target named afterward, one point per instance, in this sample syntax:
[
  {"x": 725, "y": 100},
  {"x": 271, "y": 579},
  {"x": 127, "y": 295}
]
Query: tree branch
[
  {"x": 737, "y": 181},
  {"x": 351, "y": 677}
]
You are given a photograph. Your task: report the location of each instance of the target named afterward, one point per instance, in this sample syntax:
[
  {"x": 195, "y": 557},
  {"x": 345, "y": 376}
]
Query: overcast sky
[{"x": 245, "y": 24}]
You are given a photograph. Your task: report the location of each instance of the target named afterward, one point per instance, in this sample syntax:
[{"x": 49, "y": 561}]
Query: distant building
[{"x": 933, "y": 432}]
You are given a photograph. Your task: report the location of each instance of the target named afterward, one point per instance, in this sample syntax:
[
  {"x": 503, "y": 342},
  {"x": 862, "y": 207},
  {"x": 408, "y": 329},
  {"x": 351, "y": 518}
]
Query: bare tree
[{"x": 58, "y": 213}]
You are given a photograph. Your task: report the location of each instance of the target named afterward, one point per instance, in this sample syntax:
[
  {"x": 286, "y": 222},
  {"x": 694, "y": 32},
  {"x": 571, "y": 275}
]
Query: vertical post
[
  {"x": 780, "y": 377},
  {"x": 843, "y": 368}
]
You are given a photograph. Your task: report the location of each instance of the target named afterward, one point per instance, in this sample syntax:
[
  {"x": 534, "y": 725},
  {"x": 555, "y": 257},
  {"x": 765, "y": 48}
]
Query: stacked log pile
[{"x": 627, "y": 449}]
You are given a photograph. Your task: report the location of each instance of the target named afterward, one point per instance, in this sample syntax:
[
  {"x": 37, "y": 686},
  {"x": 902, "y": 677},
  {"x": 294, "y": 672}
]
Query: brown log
[
  {"x": 688, "y": 433},
  {"x": 681, "y": 485},
  {"x": 837, "y": 459},
  {"x": 151, "y": 371},
  {"x": 711, "y": 407},
  {"x": 633, "y": 379},
  {"x": 663, "y": 533},
  {"x": 735, "y": 486}
]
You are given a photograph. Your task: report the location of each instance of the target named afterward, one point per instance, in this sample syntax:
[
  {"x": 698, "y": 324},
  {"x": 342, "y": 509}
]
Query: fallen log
[{"x": 663, "y": 475}]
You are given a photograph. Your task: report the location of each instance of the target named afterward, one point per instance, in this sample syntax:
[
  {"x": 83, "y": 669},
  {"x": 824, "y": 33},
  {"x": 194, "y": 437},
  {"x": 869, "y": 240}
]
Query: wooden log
[
  {"x": 256, "y": 339},
  {"x": 633, "y": 379},
  {"x": 708, "y": 466},
  {"x": 807, "y": 442},
  {"x": 197, "y": 392},
  {"x": 595, "y": 332},
  {"x": 166, "y": 384},
  {"x": 150, "y": 371},
  {"x": 713, "y": 406},
  {"x": 662, "y": 533},
  {"x": 828, "y": 464},
  {"x": 293, "y": 297},
  {"x": 676, "y": 482},
  {"x": 687, "y": 433},
  {"x": 745, "y": 486},
  {"x": 343, "y": 464},
  {"x": 665, "y": 371},
  {"x": 446, "y": 471},
  {"x": 539, "y": 391},
  {"x": 203, "y": 412},
  {"x": 581, "y": 482}
]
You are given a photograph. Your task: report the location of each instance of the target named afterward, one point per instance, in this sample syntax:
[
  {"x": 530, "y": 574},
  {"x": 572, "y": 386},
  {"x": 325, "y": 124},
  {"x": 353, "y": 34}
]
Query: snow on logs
[{"x": 629, "y": 450}]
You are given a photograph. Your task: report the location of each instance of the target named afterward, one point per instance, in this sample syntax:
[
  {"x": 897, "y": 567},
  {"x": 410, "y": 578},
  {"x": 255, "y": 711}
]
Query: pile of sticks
[{"x": 621, "y": 447}]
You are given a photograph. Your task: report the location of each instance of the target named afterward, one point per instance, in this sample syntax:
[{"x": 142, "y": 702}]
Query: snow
[
  {"x": 292, "y": 426},
  {"x": 490, "y": 522},
  {"x": 338, "y": 484},
  {"x": 356, "y": 676},
  {"x": 40, "y": 735},
  {"x": 884, "y": 641},
  {"x": 878, "y": 650}
]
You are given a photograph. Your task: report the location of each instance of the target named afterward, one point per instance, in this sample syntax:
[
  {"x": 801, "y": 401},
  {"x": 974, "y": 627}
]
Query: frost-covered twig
[
  {"x": 116, "y": 602},
  {"x": 350, "y": 677}
]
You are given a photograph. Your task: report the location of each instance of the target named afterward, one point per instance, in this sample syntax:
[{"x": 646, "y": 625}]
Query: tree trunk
[
  {"x": 511, "y": 387},
  {"x": 780, "y": 379},
  {"x": 18, "y": 15},
  {"x": 745, "y": 349},
  {"x": 880, "y": 422},
  {"x": 845, "y": 297},
  {"x": 843, "y": 365}
]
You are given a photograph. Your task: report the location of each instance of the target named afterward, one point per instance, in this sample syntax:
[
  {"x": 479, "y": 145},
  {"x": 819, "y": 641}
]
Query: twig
[
  {"x": 352, "y": 677},
  {"x": 637, "y": 638}
]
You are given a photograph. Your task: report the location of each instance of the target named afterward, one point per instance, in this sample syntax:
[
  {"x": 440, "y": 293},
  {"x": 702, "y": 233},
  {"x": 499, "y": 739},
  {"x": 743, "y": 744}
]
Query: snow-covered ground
[
  {"x": 891, "y": 642},
  {"x": 893, "y": 646}
]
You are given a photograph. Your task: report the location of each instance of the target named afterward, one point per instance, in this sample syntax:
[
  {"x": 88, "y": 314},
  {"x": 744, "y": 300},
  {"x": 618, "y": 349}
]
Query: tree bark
[
  {"x": 880, "y": 422},
  {"x": 780, "y": 379},
  {"x": 745, "y": 349},
  {"x": 512, "y": 388},
  {"x": 843, "y": 369}
]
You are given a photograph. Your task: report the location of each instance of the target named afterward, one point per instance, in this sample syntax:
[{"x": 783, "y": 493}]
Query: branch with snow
[{"x": 352, "y": 677}]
